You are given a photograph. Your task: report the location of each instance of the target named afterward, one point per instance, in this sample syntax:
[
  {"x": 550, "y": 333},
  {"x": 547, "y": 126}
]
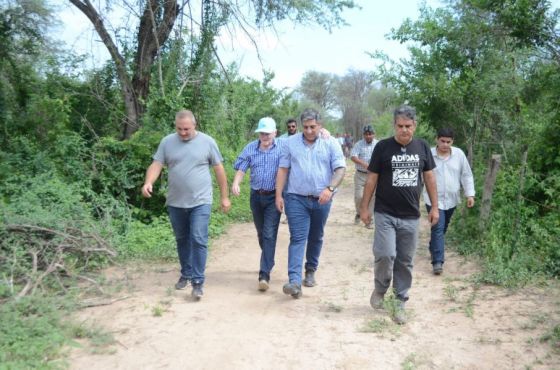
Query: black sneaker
[
  {"x": 197, "y": 292},
  {"x": 309, "y": 280},
  {"x": 182, "y": 283},
  {"x": 292, "y": 289},
  {"x": 438, "y": 268}
]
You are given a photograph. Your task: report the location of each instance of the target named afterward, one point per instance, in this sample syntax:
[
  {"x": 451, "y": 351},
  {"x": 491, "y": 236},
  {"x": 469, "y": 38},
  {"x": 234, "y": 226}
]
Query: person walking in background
[
  {"x": 188, "y": 155},
  {"x": 395, "y": 174},
  {"x": 262, "y": 157},
  {"x": 291, "y": 127},
  {"x": 361, "y": 155},
  {"x": 452, "y": 172},
  {"x": 348, "y": 143},
  {"x": 316, "y": 166}
]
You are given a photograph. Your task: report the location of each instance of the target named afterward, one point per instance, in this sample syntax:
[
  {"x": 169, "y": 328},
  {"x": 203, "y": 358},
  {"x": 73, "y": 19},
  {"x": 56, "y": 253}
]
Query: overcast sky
[{"x": 295, "y": 49}]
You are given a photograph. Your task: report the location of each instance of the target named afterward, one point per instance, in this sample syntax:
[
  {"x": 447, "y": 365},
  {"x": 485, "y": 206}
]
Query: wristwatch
[{"x": 331, "y": 188}]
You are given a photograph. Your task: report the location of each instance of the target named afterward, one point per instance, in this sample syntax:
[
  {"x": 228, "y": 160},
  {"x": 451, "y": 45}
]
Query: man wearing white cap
[{"x": 262, "y": 157}]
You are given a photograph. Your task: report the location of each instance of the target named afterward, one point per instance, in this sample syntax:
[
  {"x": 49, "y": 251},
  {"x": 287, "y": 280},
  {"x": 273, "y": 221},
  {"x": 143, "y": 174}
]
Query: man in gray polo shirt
[{"x": 188, "y": 155}]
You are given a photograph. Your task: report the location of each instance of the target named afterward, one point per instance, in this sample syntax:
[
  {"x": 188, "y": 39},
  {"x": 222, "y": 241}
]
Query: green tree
[
  {"x": 318, "y": 89},
  {"x": 479, "y": 67},
  {"x": 158, "y": 19},
  {"x": 352, "y": 91}
]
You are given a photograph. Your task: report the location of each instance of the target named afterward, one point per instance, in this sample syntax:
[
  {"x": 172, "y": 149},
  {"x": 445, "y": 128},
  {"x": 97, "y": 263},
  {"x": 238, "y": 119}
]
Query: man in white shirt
[
  {"x": 361, "y": 155},
  {"x": 452, "y": 172},
  {"x": 291, "y": 129}
]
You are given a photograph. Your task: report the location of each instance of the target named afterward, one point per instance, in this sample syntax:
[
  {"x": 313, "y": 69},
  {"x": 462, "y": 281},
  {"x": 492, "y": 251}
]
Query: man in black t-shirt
[{"x": 397, "y": 167}]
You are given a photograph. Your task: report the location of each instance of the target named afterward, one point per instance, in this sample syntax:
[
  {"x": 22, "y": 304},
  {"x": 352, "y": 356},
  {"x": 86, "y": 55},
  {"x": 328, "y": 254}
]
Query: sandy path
[{"x": 453, "y": 325}]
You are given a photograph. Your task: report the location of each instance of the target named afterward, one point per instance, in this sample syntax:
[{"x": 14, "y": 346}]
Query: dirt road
[{"x": 454, "y": 324}]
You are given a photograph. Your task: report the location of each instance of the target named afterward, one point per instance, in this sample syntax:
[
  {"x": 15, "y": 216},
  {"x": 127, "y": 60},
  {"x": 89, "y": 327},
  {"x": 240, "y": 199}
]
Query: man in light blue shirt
[
  {"x": 262, "y": 157},
  {"x": 316, "y": 166},
  {"x": 452, "y": 172}
]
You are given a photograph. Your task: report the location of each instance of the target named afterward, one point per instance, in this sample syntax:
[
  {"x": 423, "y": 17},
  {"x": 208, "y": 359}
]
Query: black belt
[
  {"x": 310, "y": 196},
  {"x": 265, "y": 192},
  {"x": 362, "y": 171}
]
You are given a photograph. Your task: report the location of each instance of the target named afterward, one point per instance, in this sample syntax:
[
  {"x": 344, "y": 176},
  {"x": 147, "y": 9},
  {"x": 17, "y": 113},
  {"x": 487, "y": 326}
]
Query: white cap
[{"x": 266, "y": 125}]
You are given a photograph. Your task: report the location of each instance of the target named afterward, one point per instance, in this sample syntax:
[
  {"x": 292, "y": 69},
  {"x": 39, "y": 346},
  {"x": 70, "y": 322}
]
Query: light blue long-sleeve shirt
[
  {"x": 452, "y": 173},
  {"x": 311, "y": 166}
]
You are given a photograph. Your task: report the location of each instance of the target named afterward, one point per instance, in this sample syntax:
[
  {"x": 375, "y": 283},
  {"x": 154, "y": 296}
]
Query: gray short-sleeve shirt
[{"x": 188, "y": 163}]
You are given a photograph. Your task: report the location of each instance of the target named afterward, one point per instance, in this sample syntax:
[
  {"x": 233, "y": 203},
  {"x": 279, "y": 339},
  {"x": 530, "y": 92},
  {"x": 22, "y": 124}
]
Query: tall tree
[
  {"x": 23, "y": 29},
  {"x": 159, "y": 17},
  {"x": 318, "y": 88},
  {"x": 352, "y": 91}
]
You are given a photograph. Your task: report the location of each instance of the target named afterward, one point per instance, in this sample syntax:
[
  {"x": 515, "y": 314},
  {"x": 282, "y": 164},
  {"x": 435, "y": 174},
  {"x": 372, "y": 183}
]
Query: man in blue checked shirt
[
  {"x": 316, "y": 167},
  {"x": 262, "y": 157}
]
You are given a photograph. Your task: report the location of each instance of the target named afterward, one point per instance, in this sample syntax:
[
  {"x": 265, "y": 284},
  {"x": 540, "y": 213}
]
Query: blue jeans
[
  {"x": 267, "y": 219},
  {"x": 190, "y": 226},
  {"x": 437, "y": 237},
  {"x": 306, "y": 220}
]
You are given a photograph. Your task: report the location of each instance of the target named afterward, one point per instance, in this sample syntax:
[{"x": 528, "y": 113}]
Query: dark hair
[
  {"x": 405, "y": 111},
  {"x": 368, "y": 128},
  {"x": 290, "y": 120},
  {"x": 446, "y": 132},
  {"x": 309, "y": 114}
]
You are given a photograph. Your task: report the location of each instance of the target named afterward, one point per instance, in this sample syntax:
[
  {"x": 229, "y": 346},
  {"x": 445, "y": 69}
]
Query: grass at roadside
[{"x": 36, "y": 330}]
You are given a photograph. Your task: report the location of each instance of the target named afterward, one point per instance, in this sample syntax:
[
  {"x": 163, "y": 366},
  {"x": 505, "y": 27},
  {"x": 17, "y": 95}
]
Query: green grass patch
[
  {"x": 553, "y": 338},
  {"x": 378, "y": 325},
  {"x": 33, "y": 331}
]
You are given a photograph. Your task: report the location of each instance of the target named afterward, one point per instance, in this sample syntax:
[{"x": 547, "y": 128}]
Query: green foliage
[
  {"x": 477, "y": 66},
  {"x": 47, "y": 223},
  {"x": 148, "y": 242},
  {"x": 553, "y": 338},
  {"x": 517, "y": 245},
  {"x": 33, "y": 330},
  {"x": 118, "y": 168}
]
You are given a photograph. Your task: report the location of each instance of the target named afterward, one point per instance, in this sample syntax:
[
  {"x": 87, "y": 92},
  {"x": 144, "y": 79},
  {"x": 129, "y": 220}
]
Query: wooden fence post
[{"x": 489, "y": 183}]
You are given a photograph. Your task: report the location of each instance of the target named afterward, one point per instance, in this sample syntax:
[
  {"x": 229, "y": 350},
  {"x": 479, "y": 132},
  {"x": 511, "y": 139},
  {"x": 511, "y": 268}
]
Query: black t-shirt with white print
[{"x": 400, "y": 179}]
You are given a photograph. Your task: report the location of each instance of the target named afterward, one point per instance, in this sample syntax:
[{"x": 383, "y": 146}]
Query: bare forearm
[
  {"x": 431, "y": 187},
  {"x": 153, "y": 172},
  {"x": 369, "y": 189},
  {"x": 281, "y": 177},
  {"x": 359, "y": 161},
  {"x": 337, "y": 177},
  {"x": 238, "y": 177},
  {"x": 222, "y": 180}
]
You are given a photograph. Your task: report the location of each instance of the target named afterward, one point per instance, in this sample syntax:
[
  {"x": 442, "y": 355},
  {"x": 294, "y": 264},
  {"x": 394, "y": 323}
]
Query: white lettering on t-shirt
[{"x": 405, "y": 169}]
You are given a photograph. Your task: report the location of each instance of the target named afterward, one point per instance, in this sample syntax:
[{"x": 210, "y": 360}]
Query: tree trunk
[
  {"x": 149, "y": 44},
  {"x": 489, "y": 182},
  {"x": 522, "y": 176},
  {"x": 152, "y": 34}
]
